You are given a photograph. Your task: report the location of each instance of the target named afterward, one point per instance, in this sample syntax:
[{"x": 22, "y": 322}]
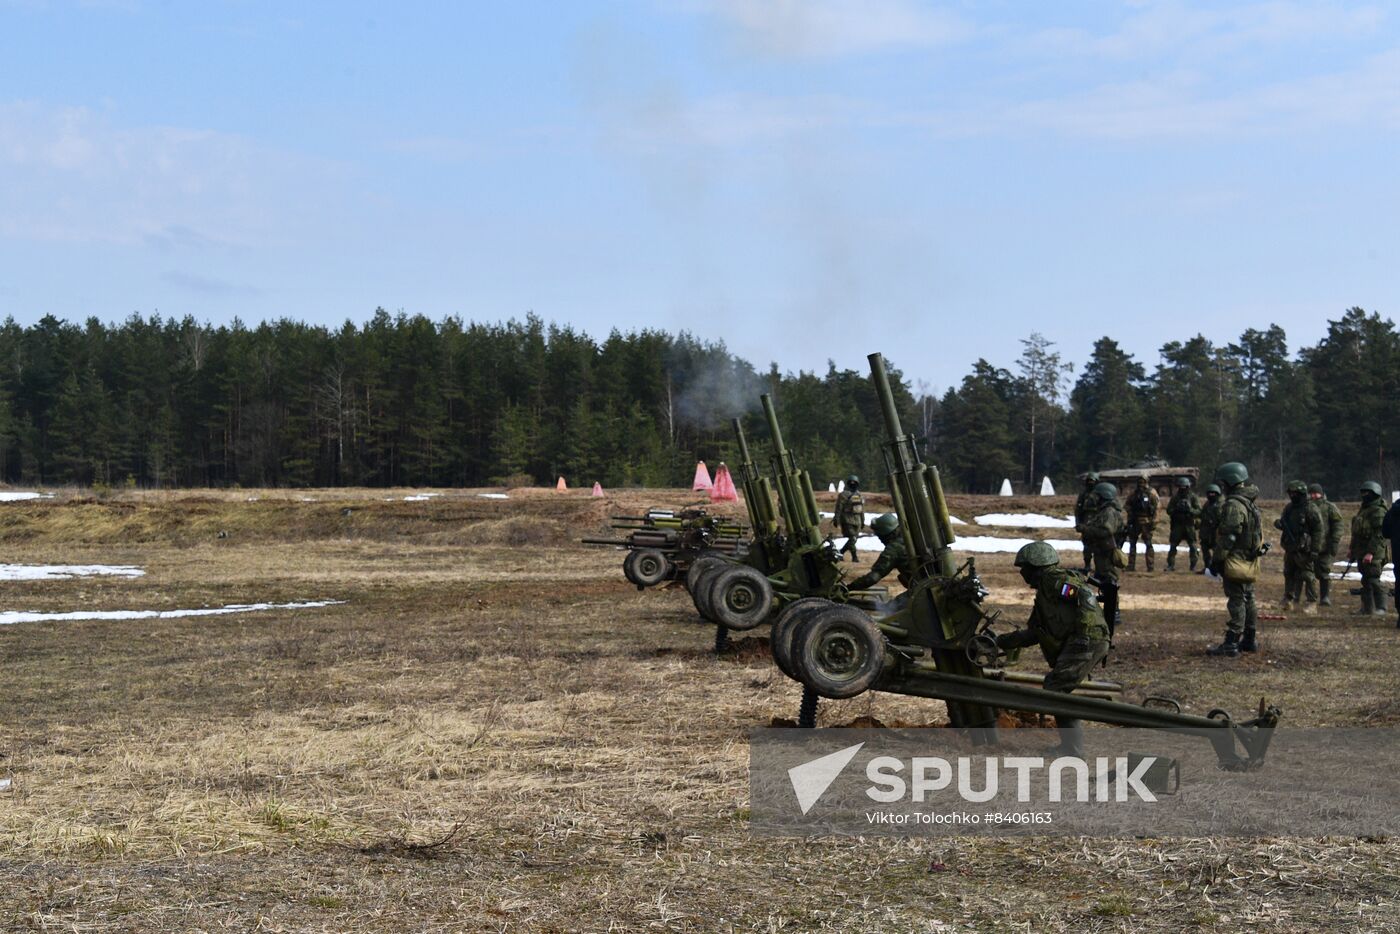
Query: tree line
[{"x": 405, "y": 401}]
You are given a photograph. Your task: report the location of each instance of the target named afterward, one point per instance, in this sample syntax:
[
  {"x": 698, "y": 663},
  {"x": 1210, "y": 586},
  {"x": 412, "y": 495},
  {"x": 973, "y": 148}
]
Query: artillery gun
[
  {"x": 780, "y": 568},
  {"x": 933, "y": 640},
  {"x": 663, "y": 544}
]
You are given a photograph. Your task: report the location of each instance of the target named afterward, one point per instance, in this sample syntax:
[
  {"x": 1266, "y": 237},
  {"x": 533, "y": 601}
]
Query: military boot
[
  {"x": 1366, "y": 605},
  {"x": 1195, "y": 556},
  {"x": 1149, "y": 557},
  {"x": 1324, "y": 588},
  {"x": 1287, "y": 603},
  {"x": 1230, "y": 648},
  {"x": 1249, "y": 643},
  {"x": 1378, "y": 607}
]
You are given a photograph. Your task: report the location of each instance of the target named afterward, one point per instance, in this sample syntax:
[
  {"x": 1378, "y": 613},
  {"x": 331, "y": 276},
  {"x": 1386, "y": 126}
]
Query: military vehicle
[
  {"x": 935, "y": 640},
  {"x": 662, "y": 544},
  {"x": 1160, "y": 474}
]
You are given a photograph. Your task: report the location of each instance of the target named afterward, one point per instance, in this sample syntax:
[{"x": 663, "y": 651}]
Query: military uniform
[
  {"x": 1210, "y": 521},
  {"x": 1142, "y": 519},
  {"x": 1303, "y": 534},
  {"x": 1390, "y": 527},
  {"x": 893, "y": 558},
  {"x": 850, "y": 518},
  {"x": 1184, "y": 510},
  {"x": 1333, "y": 526},
  {"x": 1070, "y": 628},
  {"x": 1368, "y": 539},
  {"x": 1082, "y": 507},
  {"x": 1240, "y": 536},
  {"x": 1103, "y": 528}
]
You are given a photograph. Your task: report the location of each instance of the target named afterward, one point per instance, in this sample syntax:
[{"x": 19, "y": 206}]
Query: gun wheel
[
  {"x": 699, "y": 569},
  {"x": 739, "y": 597},
  {"x": 649, "y": 567},
  {"x": 785, "y": 627},
  {"x": 629, "y": 569},
  {"x": 839, "y": 652}
]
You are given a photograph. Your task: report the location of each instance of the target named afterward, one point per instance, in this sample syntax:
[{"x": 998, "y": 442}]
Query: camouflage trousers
[
  {"x": 1372, "y": 591},
  {"x": 1182, "y": 532},
  {"x": 1239, "y": 601},
  {"x": 1298, "y": 572},
  {"x": 1074, "y": 663},
  {"x": 1207, "y": 550},
  {"x": 1143, "y": 533},
  {"x": 1322, "y": 570},
  {"x": 852, "y": 532}
]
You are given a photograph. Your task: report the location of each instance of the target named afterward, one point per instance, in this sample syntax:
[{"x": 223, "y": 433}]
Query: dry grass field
[{"x": 494, "y": 732}]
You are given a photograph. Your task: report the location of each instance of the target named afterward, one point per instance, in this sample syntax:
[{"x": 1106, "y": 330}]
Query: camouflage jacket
[
  {"x": 1103, "y": 526},
  {"x": 850, "y": 511},
  {"x": 1366, "y": 535},
  {"x": 1240, "y": 532},
  {"x": 1142, "y": 507},
  {"x": 1210, "y": 520},
  {"x": 1066, "y": 608},
  {"x": 1334, "y": 525},
  {"x": 893, "y": 558},
  {"x": 1183, "y": 507},
  {"x": 1302, "y": 527},
  {"x": 1082, "y": 507}
]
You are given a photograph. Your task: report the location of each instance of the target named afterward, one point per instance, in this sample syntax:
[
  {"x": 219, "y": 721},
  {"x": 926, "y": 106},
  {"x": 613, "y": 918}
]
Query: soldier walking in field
[
  {"x": 1069, "y": 626},
  {"x": 1239, "y": 544},
  {"x": 1142, "y": 519},
  {"x": 1210, "y": 521},
  {"x": 1369, "y": 548},
  {"x": 1184, "y": 511},
  {"x": 850, "y": 516},
  {"x": 1081, "y": 512},
  {"x": 1103, "y": 524},
  {"x": 1332, "y": 525},
  {"x": 1303, "y": 535}
]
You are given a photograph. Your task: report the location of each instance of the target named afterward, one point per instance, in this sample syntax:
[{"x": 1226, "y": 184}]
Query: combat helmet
[
  {"x": 852, "y": 481},
  {"x": 1213, "y": 488},
  {"x": 884, "y": 526},
  {"x": 1091, "y": 476},
  {"x": 1372, "y": 487},
  {"x": 1232, "y": 474},
  {"x": 1183, "y": 482},
  {"x": 1316, "y": 488},
  {"x": 1037, "y": 555},
  {"x": 1106, "y": 492},
  {"x": 1297, "y": 486}
]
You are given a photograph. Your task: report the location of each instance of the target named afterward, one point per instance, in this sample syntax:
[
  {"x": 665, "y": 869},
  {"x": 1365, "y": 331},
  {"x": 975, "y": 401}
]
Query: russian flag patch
[{"x": 1068, "y": 591}]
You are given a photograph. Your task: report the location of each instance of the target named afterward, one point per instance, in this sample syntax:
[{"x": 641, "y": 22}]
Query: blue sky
[{"x": 806, "y": 180}]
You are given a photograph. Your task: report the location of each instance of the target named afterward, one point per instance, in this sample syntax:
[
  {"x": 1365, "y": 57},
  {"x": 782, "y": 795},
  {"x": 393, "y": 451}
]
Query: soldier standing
[
  {"x": 1390, "y": 527},
  {"x": 1239, "y": 544},
  {"x": 1369, "y": 548},
  {"x": 1103, "y": 526},
  {"x": 1303, "y": 535},
  {"x": 1210, "y": 521},
  {"x": 1184, "y": 511},
  {"x": 894, "y": 557},
  {"x": 850, "y": 516},
  {"x": 1081, "y": 512},
  {"x": 1068, "y": 624},
  {"x": 1142, "y": 519},
  {"x": 1332, "y": 525}
]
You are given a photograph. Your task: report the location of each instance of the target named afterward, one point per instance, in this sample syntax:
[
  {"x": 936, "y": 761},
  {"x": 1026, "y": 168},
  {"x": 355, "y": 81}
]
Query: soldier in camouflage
[
  {"x": 1142, "y": 519},
  {"x": 1303, "y": 535},
  {"x": 1069, "y": 626},
  {"x": 1239, "y": 544},
  {"x": 1333, "y": 526},
  {"x": 1103, "y": 532},
  {"x": 893, "y": 558},
  {"x": 1390, "y": 528},
  {"x": 850, "y": 516},
  {"x": 1369, "y": 548},
  {"x": 1210, "y": 521},
  {"x": 1184, "y": 511},
  {"x": 1081, "y": 512}
]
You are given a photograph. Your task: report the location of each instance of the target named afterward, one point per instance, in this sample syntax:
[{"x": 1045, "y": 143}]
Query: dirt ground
[{"x": 494, "y": 731}]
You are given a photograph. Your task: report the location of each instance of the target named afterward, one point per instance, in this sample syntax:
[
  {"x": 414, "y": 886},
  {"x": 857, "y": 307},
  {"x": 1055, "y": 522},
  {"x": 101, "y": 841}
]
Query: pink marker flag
[
  {"x": 597, "y": 488},
  {"x": 561, "y": 486},
  {"x": 702, "y": 477},
  {"x": 723, "y": 490}
]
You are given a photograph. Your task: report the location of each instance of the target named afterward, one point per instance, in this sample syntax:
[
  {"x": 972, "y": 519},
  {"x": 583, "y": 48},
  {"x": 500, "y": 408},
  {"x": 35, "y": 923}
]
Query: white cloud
[{"x": 837, "y": 28}]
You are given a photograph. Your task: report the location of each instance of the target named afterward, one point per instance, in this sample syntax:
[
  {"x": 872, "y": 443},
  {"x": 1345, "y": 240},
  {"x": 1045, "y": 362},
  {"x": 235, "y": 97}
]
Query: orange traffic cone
[
  {"x": 702, "y": 477},
  {"x": 723, "y": 490},
  {"x": 597, "y": 488},
  {"x": 561, "y": 486}
]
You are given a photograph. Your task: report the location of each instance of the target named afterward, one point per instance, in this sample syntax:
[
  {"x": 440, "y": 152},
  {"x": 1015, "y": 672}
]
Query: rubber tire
[
  {"x": 839, "y": 652},
  {"x": 785, "y": 625},
  {"x": 739, "y": 597},
  {"x": 650, "y": 567},
  {"x": 628, "y": 568},
  {"x": 700, "y": 567},
  {"x": 700, "y": 593}
]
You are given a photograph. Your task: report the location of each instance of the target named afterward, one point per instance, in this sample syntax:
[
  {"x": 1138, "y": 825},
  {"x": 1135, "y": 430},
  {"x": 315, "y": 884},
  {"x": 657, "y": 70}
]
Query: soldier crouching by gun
[{"x": 1068, "y": 624}]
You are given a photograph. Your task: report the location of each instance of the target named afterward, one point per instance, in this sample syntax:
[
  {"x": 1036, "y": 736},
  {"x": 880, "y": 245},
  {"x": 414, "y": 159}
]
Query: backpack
[{"x": 1243, "y": 568}]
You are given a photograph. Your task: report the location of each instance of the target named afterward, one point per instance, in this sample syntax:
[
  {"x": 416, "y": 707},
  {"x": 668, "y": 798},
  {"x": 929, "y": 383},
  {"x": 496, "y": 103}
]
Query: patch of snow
[
  {"x": 1024, "y": 520},
  {"x": 253, "y": 499},
  {"x": 991, "y": 545},
  {"x": 54, "y": 572},
  {"x": 1342, "y": 564},
  {"x": 15, "y": 496},
  {"x": 493, "y": 495},
  {"x": 954, "y": 520},
  {"x": 4, "y": 784},
  {"x": 9, "y": 618}
]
